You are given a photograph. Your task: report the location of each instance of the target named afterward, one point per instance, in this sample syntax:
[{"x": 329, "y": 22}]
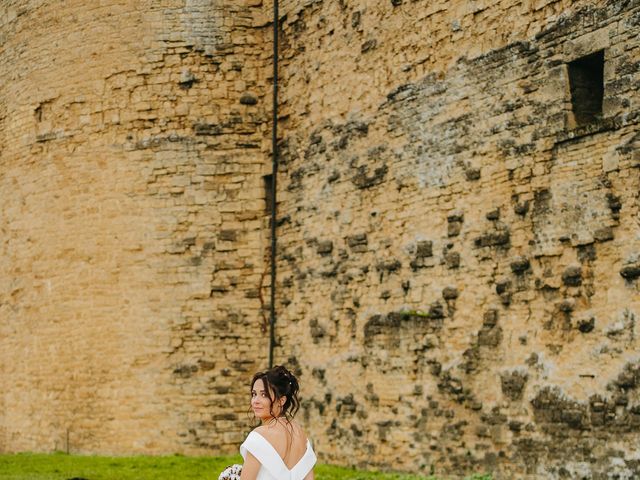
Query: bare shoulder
[
  {"x": 267, "y": 431},
  {"x": 276, "y": 431},
  {"x": 298, "y": 429},
  {"x": 259, "y": 428}
]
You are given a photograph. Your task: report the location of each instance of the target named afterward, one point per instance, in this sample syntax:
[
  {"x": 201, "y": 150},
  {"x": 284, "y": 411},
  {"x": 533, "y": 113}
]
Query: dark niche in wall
[
  {"x": 268, "y": 193},
  {"x": 586, "y": 81}
]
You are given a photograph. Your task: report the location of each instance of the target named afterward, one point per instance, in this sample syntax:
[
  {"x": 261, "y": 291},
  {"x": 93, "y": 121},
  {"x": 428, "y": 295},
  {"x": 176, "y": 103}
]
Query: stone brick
[
  {"x": 630, "y": 271},
  {"x": 572, "y": 276},
  {"x": 513, "y": 384}
]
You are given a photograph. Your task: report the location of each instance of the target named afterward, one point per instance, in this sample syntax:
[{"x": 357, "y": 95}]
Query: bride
[{"x": 278, "y": 449}]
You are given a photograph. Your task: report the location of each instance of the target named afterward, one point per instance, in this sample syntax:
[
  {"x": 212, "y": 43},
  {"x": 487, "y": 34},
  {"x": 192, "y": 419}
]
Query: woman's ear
[{"x": 282, "y": 401}]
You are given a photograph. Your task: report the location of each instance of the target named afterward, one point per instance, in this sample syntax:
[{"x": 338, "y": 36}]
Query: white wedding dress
[{"x": 272, "y": 467}]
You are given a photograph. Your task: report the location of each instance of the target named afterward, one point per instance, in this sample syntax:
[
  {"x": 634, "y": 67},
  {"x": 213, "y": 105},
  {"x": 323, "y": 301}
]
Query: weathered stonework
[
  {"x": 485, "y": 320},
  {"x": 459, "y": 250},
  {"x": 131, "y": 255}
]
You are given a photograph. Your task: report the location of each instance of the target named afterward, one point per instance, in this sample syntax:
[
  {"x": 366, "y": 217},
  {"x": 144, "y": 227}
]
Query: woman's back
[
  {"x": 288, "y": 440},
  {"x": 278, "y": 452}
]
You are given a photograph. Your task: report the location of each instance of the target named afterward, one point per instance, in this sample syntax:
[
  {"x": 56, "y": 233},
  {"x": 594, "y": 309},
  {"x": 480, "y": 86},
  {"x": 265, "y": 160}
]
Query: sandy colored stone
[{"x": 457, "y": 255}]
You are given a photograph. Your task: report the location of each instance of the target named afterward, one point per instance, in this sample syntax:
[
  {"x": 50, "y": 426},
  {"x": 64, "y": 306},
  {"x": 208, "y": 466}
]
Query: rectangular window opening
[
  {"x": 268, "y": 193},
  {"x": 586, "y": 82}
]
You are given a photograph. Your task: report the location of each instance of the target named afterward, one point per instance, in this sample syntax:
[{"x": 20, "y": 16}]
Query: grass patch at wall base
[{"x": 26, "y": 466}]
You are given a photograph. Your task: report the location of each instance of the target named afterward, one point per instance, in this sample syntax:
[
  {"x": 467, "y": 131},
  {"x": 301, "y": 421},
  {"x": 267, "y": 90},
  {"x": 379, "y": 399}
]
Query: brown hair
[{"x": 280, "y": 382}]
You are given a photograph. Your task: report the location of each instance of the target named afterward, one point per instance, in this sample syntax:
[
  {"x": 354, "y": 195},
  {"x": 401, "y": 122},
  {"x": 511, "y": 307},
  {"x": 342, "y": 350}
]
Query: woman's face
[{"x": 261, "y": 403}]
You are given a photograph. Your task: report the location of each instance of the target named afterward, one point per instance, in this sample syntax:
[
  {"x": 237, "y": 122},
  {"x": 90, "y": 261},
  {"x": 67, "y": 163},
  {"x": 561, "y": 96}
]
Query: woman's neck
[{"x": 274, "y": 421}]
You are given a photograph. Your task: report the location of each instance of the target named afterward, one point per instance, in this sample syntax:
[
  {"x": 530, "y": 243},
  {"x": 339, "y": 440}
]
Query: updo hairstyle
[{"x": 280, "y": 382}]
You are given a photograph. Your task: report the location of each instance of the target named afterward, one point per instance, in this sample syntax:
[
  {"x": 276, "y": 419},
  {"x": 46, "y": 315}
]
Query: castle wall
[
  {"x": 458, "y": 248},
  {"x": 132, "y": 150},
  {"x": 458, "y": 266}
]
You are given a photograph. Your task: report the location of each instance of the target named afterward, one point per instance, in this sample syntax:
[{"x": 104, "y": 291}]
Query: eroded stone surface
[
  {"x": 491, "y": 199},
  {"x": 132, "y": 240},
  {"x": 457, "y": 254}
]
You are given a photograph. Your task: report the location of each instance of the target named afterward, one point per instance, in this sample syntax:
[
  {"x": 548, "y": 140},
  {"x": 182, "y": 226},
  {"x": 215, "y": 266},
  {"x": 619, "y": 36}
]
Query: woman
[{"x": 278, "y": 449}]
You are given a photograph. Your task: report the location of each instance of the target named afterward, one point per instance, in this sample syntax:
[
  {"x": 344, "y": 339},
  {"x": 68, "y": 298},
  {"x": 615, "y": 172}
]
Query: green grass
[{"x": 27, "y": 466}]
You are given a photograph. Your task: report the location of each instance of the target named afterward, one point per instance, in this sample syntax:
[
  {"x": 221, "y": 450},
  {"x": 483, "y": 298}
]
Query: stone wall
[
  {"x": 459, "y": 249},
  {"x": 132, "y": 150},
  {"x": 459, "y": 242}
]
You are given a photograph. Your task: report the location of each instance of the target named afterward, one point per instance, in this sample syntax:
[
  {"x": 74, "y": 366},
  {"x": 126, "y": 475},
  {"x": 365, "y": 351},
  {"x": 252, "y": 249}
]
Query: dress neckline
[{"x": 273, "y": 449}]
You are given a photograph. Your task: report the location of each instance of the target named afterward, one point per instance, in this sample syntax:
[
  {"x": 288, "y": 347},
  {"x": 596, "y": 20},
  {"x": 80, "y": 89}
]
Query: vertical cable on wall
[{"x": 274, "y": 179}]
